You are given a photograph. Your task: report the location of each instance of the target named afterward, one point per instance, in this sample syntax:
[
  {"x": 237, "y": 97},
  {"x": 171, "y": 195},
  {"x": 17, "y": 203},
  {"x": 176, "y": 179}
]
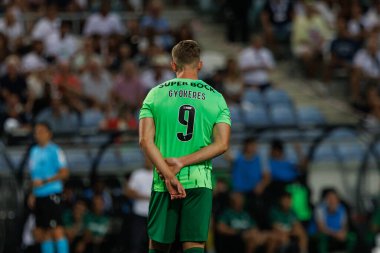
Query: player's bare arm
[
  {"x": 221, "y": 134},
  {"x": 147, "y": 132}
]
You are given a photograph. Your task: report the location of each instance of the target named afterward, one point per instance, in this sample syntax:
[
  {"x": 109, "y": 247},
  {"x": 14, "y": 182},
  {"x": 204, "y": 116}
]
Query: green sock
[{"x": 194, "y": 250}]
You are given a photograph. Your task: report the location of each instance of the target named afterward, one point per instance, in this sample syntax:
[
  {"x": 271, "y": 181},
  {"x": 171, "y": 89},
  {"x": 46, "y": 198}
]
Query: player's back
[{"x": 185, "y": 112}]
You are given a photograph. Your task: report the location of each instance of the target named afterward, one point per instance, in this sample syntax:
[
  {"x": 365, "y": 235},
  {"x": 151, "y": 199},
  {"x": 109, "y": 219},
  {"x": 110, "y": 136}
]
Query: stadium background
[{"x": 336, "y": 131}]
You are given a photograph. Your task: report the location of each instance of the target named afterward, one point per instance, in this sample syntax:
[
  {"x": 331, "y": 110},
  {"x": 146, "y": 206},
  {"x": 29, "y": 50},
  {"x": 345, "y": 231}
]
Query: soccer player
[
  {"x": 48, "y": 169},
  {"x": 184, "y": 123}
]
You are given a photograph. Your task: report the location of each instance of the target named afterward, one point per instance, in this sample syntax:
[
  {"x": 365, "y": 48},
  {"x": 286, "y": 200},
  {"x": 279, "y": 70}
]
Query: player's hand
[
  {"x": 175, "y": 188},
  {"x": 175, "y": 164},
  {"x": 38, "y": 183}
]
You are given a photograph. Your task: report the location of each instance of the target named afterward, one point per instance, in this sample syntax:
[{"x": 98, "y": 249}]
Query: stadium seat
[
  {"x": 342, "y": 134},
  {"x": 283, "y": 115},
  {"x": 350, "y": 152},
  {"x": 256, "y": 116},
  {"x": 325, "y": 152},
  {"x": 276, "y": 97},
  {"x": 309, "y": 116},
  {"x": 253, "y": 97}
]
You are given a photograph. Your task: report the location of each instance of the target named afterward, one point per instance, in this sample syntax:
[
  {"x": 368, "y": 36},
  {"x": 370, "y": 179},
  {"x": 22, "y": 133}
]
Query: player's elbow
[
  {"x": 223, "y": 147},
  {"x": 144, "y": 142}
]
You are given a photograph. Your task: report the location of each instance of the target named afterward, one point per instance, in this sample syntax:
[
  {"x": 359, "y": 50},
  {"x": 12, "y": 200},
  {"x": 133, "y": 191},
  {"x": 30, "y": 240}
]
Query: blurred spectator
[
  {"x": 371, "y": 18},
  {"x": 96, "y": 82},
  {"x": 39, "y": 90},
  {"x": 342, "y": 50},
  {"x": 133, "y": 36},
  {"x": 66, "y": 80},
  {"x": 103, "y": 23},
  {"x": 99, "y": 189},
  {"x": 91, "y": 116},
  {"x": 15, "y": 114},
  {"x": 139, "y": 190},
  {"x": 159, "y": 25},
  {"x": 332, "y": 224},
  {"x": 233, "y": 85},
  {"x": 309, "y": 36},
  {"x": 13, "y": 82},
  {"x": 356, "y": 28},
  {"x": 129, "y": 88},
  {"x": 184, "y": 32},
  {"x": 366, "y": 70},
  {"x": 329, "y": 10},
  {"x": 59, "y": 117},
  {"x": 12, "y": 28},
  {"x": 34, "y": 60},
  {"x": 287, "y": 226},
  {"x": 61, "y": 45},
  {"x": 284, "y": 171},
  {"x": 276, "y": 20},
  {"x": 73, "y": 222},
  {"x": 249, "y": 173},
  {"x": 4, "y": 52},
  {"x": 123, "y": 54},
  {"x": 159, "y": 72},
  {"x": 96, "y": 225},
  {"x": 47, "y": 25},
  {"x": 125, "y": 119},
  {"x": 237, "y": 20},
  {"x": 239, "y": 231},
  {"x": 112, "y": 52},
  {"x": 81, "y": 59},
  {"x": 256, "y": 62}
]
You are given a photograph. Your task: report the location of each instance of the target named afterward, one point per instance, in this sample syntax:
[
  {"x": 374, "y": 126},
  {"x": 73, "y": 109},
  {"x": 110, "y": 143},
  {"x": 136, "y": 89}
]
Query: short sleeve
[
  {"x": 224, "y": 114},
  {"x": 146, "y": 110},
  {"x": 62, "y": 162}
]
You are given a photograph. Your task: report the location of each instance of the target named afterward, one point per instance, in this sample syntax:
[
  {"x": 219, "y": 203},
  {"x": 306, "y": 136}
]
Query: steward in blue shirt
[{"x": 48, "y": 169}]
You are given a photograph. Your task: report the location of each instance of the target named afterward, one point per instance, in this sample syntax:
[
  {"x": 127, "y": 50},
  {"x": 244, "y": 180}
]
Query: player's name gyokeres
[
  {"x": 192, "y": 84},
  {"x": 187, "y": 94}
]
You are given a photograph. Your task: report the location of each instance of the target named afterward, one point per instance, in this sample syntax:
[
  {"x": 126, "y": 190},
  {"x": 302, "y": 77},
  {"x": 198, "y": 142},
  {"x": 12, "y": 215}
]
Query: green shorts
[{"x": 191, "y": 216}]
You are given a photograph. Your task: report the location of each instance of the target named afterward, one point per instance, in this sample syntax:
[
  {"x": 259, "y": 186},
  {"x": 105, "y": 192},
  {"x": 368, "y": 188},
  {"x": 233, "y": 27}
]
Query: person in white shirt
[
  {"x": 11, "y": 27},
  {"x": 372, "y": 17},
  {"x": 46, "y": 25},
  {"x": 256, "y": 62},
  {"x": 366, "y": 69},
  {"x": 139, "y": 189},
  {"x": 61, "y": 45},
  {"x": 103, "y": 23},
  {"x": 34, "y": 59}
]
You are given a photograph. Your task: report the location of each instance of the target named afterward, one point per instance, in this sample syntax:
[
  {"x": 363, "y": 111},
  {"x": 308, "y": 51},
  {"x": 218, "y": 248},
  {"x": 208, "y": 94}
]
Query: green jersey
[{"x": 184, "y": 113}]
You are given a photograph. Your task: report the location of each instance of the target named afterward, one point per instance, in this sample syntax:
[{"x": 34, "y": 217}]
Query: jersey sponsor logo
[
  {"x": 192, "y": 84},
  {"x": 187, "y": 94}
]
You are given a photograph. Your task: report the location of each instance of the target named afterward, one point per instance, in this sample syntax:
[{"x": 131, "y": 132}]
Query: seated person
[
  {"x": 73, "y": 221},
  {"x": 96, "y": 227},
  {"x": 249, "y": 174},
  {"x": 332, "y": 224},
  {"x": 342, "y": 50},
  {"x": 283, "y": 171},
  {"x": 287, "y": 226},
  {"x": 238, "y": 230}
]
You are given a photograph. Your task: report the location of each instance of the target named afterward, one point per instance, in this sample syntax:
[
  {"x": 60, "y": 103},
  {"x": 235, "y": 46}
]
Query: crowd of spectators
[{"x": 94, "y": 77}]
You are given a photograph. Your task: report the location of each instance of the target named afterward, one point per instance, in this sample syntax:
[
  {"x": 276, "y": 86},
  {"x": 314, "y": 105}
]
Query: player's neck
[{"x": 187, "y": 74}]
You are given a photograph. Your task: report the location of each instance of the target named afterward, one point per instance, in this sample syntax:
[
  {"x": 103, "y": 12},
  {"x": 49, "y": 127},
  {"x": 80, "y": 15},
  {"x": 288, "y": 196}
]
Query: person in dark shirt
[
  {"x": 237, "y": 15},
  {"x": 13, "y": 82},
  {"x": 342, "y": 50},
  {"x": 276, "y": 20}
]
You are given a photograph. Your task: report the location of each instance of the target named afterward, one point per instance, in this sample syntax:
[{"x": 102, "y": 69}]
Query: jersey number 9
[{"x": 189, "y": 122}]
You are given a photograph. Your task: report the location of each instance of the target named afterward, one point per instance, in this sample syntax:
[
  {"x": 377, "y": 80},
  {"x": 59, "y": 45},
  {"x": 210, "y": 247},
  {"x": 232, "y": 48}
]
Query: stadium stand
[{"x": 43, "y": 77}]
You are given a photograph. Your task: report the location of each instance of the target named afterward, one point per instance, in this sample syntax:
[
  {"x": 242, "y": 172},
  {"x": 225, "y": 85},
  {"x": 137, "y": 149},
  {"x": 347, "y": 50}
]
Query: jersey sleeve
[
  {"x": 224, "y": 114},
  {"x": 147, "y": 107}
]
